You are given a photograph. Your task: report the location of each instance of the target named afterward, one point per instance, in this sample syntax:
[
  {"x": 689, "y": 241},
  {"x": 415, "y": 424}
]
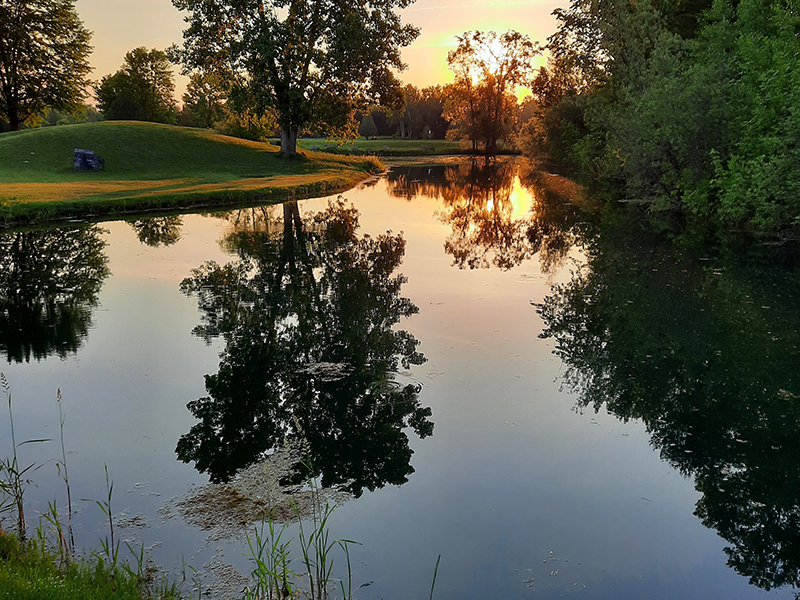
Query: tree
[
  {"x": 423, "y": 116},
  {"x": 313, "y": 61},
  {"x": 488, "y": 69},
  {"x": 368, "y": 128},
  {"x": 44, "y": 50},
  {"x": 142, "y": 90},
  {"x": 204, "y": 101}
]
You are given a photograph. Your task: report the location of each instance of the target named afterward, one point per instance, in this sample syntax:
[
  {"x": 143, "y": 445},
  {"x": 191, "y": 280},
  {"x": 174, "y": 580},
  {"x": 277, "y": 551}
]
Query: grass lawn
[
  {"x": 383, "y": 146},
  {"x": 386, "y": 146},
  {"x": 31, "y": 573},
  {"x": 153, "y": 166}
]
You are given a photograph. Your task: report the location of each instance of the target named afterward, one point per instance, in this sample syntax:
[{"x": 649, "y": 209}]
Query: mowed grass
[
  {"x": 385, "y": 146},
  {"x": 149, "y": 165}
]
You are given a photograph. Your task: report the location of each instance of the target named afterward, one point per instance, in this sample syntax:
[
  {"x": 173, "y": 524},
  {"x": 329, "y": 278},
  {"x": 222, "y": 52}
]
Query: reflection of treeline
[
  {"x": 489, "y": 225},
  {"x": 307, "y": 312},
  {"x": 704, "y": 350},
  {"x": 49, "y": 282},
  {"x": 691, "y": 105}
]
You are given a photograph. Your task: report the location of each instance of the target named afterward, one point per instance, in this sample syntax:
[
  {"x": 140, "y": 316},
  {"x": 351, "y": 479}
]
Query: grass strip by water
[
  {"x": 388, "y": 146},
  {"x": 30, "y": 572},
  {"x": 150, "y": 166}
]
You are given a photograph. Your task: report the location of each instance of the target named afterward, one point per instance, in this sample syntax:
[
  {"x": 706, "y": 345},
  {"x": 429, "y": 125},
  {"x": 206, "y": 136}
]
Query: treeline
[{"x": 692, "y": 105}]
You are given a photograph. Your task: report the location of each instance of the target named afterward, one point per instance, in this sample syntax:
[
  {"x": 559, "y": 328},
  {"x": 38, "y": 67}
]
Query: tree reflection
[
  {"x": 307, "y": 312},
  {"x": 49, "y": 282},
  {"x": 704, "y": 350},
  {"x": 500, "y": 213},
  {"x": 158, "y": 231}
]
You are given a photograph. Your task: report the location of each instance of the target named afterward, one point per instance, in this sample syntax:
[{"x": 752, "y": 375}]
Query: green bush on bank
[{"x": 31, "y": 572}]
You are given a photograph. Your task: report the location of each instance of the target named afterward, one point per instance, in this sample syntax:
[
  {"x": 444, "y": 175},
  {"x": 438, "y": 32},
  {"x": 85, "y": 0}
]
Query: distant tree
[
  {"x": 368, "y": 128},
  {"x": 44, "y": 50},
  {"x": 142, "y": 90},
  {"x": 83, "y": 114},
  {"x": 204, "y": 100},
  {"x": 312, "y": 61},
  {"x": 488, "y": 69},
  {"x": 423, "y": 116}
]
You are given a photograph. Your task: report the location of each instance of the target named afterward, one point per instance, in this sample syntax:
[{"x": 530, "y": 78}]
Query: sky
[{"x": 121, "y": 25}]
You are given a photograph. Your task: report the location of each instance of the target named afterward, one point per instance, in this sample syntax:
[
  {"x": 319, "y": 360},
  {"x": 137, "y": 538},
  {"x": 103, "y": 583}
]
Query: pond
[{"x": 469, "y": 362}]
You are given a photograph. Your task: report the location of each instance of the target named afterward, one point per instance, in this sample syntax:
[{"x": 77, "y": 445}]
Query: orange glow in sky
[{"x": 121, "y": 25}]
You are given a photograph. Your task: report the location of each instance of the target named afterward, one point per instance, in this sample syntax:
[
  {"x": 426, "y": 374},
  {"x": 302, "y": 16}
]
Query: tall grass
[
  {"x": 64, "y": 473},
  {"x": 45, "y": 566},
  {"x": 274, "y": 577},
  {"x": 13, "y": 478}
]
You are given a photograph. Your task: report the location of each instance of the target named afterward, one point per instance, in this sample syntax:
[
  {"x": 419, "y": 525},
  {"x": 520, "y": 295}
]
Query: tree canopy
[
  {"x": 142, "y": 89},
  {"x": 688, "y": 105},
  {"x": 44, "y": 50},
  {"x": 488, "y": 67},
  {"x": 312, "y": 61}
]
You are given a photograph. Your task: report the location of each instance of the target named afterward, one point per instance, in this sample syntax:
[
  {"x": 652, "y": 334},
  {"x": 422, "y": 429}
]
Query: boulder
[{"x": 86, "y": 160}]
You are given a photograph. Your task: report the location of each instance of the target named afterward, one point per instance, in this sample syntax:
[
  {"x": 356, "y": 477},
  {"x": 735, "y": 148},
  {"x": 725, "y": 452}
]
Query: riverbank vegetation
[
  {"x": 685, "y": 106},
  {"x": 30, "y": 571},
  {"x": 149, "y": 166}
]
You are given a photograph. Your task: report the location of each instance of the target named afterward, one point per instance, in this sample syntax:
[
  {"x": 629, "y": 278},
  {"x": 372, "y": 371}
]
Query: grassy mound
[{"x": 150, "y": 166}]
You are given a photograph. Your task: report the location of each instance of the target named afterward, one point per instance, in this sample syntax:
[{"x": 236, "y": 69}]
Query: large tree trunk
[
  {"x": 289, "y": 140},
  {"x": 13, "y": 120}
]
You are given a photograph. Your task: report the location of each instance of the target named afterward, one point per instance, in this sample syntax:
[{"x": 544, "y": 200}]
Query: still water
[{"x": 559, "y": 404}]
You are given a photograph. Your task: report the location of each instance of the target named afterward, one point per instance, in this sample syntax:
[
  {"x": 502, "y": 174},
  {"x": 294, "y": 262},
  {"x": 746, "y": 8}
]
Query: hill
[{"x": 154, "y": 166}]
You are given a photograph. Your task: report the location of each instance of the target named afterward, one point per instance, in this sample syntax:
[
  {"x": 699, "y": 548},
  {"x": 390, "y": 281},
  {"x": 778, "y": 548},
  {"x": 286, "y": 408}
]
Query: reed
[
  {"x": 274, "y": 577},
  {"x": 64, "y": 473},
  {"x": 13, "y": 478}
]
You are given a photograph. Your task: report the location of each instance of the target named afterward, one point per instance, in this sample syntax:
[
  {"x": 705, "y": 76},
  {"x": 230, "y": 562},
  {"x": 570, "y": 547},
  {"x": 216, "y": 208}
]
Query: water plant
[
  {"x": 64, "y": 473},
  {"x": 274, "y": 577},
  {"x": 435, "y": 571},
  {"x": 13, "y": 478}
]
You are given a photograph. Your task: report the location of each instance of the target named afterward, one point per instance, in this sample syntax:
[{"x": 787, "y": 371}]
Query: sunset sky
[{"x": 121, "y": 25}]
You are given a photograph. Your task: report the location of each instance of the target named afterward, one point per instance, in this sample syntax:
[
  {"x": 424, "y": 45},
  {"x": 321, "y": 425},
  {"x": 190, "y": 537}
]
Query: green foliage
[
  {"x": 367, "y": 128},
  {"x": 31, "y": 572},
  {"x": 312, "y": 62},
  {"x": 142, "y": 89},
  {"x": 204, "y": 101},
  {"x": 423, "y": 116},
  {"x": 698, "y": 114},
  {"x": 44, "y": 59}
]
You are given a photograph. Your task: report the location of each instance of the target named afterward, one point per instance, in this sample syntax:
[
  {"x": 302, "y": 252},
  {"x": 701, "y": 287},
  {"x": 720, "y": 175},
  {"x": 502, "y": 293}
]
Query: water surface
[{"x": 558, "y": 409}]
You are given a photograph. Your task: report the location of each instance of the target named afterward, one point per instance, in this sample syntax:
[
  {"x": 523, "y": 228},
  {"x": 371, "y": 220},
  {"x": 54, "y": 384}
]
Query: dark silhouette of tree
[
  {"x": 703, "y": 348},
  {"x": 158, "y": 231},
  {"x": 142, "y": 90},
  {"x": 422, "y": 118},
  {"x": 488, "y": 68},
  {"x": 367, "y": 128},
  {"x": 49, "y": 282},
  {"x": 308, "y": 313},
  {"x": 205, "y": 101},
  {"x": 44, "y": 59},
  {"x": 311, "y": 61}
]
